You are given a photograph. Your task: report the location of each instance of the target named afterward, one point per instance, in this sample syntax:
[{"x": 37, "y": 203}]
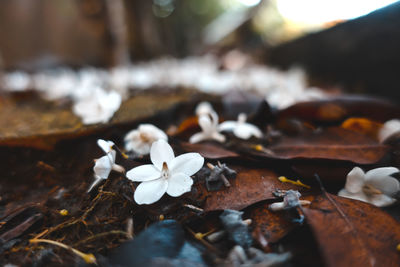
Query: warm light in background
[{"x": 323, "y": 11}]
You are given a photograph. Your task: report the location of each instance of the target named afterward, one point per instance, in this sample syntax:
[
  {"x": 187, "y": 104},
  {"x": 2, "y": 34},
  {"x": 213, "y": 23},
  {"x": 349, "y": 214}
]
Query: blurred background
[{"x": 338, "y": 43}]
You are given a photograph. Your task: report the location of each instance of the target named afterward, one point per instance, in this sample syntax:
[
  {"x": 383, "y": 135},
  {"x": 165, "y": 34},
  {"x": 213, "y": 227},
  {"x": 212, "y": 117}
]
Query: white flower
[
  {"x": 141, "y": 139},
  {"x": 98, "y": 106},
  {"x": 105, "y": 164},
  {"x": 166, "y": 174},
  {"x": 241, "y": 128},
  {"x": 208, "y": 121},
  {"x": 388, "y": 129},
  {"x": 17, "y": 81},
  {"x": 376, "y": 186},
  {"x": 204, "y": 108}
]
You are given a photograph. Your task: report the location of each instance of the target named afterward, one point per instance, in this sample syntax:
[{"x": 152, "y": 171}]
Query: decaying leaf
[
  {"x": 251, "y": 185},
  {"x": 342, "y": 107},
  {"x": 271, "y": 225},
  {"x": 363, "y": 126},
  {"x": 331, "y": 143},
  {"x": 41, "y": 124},
  {"x": 353, "y": 233},
  {"x": 210, "y": 150}
]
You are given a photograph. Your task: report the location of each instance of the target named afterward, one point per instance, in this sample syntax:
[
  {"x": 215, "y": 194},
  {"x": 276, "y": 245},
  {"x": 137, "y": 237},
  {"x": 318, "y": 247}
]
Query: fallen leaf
[
  {"x": 272, "y": 225},
  {"x": 41, "y": 124},
  {"x": 331, "y": 143},
  {"x": 251, "y": 185},
  {"x": 353, "y": 233},
  {"x": 210, "y": 150},
  {"x": 342, "y": 107},
  {"x": 363, "y": 126}
]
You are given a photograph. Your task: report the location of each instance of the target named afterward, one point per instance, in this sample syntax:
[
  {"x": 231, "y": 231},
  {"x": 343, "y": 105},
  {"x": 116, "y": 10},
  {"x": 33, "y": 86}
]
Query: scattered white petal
[
  {"x": 208, "y": 121},
  {"x": 143, "y": 173},
  {"x": 102, "y": 167},
  {"x": 388, "y": 129},
  {"x": 140, "y": 140},
  {"x": 188, "y": 163},
  {"x": 105, "y": 164},
  {"x": 167, "y": 174},
  {"x": 241, "y": 128},
  {"x": 178, "y": 184},
  {"x": 17, "y": 81},
  {"x": 355, "y": 180},
  {"x": 98, "y": 107},
  {"x": 376, "y": 187},
  {"x": 161, "y": 152},
  {"x": 151, "y": 191},
  {"x": 380, "y": 179},
  {"x": 204, "y": 108}
]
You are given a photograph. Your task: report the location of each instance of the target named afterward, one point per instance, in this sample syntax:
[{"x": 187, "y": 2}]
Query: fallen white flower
[
  {"x": 204, "y": 108},
  {"x": 376, "y": 186},
  {"x": 168, "y": 174},
  {"x": 141, "y": 139},
  {"x": 97, "y": 107},
  {"x": 241, "y": 128},
  {"x": 105, "y": 164},
  {"x": 388, "y": 129},
  {"x": 208, "y": 121}
]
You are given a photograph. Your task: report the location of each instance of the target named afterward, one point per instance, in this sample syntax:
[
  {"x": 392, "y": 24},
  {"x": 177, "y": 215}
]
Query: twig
[
  {"x": 88, "y": 258},
  {"x": 113, "y": 232}
]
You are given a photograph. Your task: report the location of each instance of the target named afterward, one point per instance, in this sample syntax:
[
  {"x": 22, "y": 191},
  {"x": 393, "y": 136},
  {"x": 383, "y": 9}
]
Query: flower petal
[
  {"x": 380, "y": 179},
  {"x": 188, "y": 163},
  {"x": 228, "y": 126},
  {"x": 106, "y": 146},
  {"x": 218, "y": 137},
  {"x": 143, "y": 173},
  {"x": 380, "y": 172},
  {"x": 102, "y": 167},
  {"x": 152, "y": 131},
  {"x": 389, "y": 128},
  {"x": 206, "y": 124},
  {"x": 198, "y": 137},
  {"x": 150, "y": 192},
  {"x": 243, "y": 132},
  {"x": 178, "y": 184},
  {"x": 355, "y": 180},
  {"x": 381, "y": 200},
  {"x": 161, "y": 152},
  {"x": 357, "y": 196}
]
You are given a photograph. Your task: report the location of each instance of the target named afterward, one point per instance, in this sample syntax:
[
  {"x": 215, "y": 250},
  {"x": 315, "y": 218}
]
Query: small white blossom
[
  {"x": 17, "y": 81},
  {"x": 241, "y": 128},
  {"x": 105, "y": 164},
  {"x": 208, "y": 121},
  {"x": 97, "y": 107},
  {"x": 204, "y": 108},
  {"x": 376, "y": 186},
  {"x": 141, "y": 139},
  {"x": 388, "y": 129},
  {"x": 168, "y": 174}
]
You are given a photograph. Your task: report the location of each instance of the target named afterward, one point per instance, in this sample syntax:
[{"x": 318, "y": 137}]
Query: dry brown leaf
[{"x": 353, "y": 233}]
